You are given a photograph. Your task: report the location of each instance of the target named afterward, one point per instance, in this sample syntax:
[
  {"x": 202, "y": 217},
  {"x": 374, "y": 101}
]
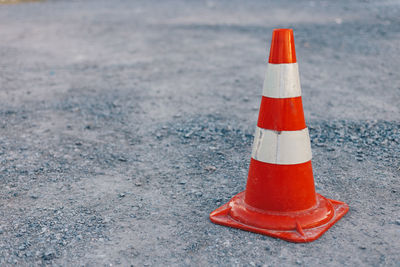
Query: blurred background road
[{"x": 124, "y": 123}]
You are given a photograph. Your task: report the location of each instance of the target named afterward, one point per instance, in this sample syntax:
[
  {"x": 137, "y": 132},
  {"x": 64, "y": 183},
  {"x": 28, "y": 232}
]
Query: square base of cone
[{"x": 221, "y": 216}]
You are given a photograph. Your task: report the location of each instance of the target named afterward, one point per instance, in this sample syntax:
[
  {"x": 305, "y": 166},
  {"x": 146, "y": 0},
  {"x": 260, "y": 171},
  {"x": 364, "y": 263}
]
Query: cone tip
[{"x": 282, "y": 47}]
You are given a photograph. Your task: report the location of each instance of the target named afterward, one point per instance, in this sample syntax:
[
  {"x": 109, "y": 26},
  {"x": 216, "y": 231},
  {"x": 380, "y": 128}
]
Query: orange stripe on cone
[
  {"x": 277, "y": 187},
  {"x": 281, "y": 114},
  {"x": 282, "y": 47},
  {"x": 280, "y": 199}
]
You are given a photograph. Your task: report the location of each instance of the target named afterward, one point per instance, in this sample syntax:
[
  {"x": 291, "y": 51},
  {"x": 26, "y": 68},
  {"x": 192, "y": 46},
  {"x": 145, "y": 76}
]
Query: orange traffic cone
[{"x": 280, "y": 199}]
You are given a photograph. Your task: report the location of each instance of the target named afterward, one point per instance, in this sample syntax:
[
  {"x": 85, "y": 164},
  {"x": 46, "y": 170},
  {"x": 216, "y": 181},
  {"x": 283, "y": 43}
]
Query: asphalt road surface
[{"x": 123, "y": 124}]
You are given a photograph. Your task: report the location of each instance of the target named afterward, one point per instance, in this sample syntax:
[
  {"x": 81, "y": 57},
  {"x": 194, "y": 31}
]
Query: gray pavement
[{"x": 123, "y": 124}]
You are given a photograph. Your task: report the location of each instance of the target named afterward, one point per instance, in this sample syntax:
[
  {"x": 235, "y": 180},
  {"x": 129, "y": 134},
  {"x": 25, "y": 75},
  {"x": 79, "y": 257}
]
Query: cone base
[{"x": 297, "y": 234}]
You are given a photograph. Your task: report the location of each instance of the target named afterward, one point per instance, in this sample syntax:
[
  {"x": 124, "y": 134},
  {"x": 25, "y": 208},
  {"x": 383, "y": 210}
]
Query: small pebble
[
  {"x": 122, "y": 159},
  {"x": 210, "y": 168}
]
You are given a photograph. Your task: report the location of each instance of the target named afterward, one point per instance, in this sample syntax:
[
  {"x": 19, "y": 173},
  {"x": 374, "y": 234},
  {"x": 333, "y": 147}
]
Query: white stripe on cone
[
  {"x": 282, "y": 81},
  {"x": 283, "y": 147}
]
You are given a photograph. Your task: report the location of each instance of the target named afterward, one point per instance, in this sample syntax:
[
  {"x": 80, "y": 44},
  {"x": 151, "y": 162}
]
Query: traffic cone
[{"x": 280, "y": 199}]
